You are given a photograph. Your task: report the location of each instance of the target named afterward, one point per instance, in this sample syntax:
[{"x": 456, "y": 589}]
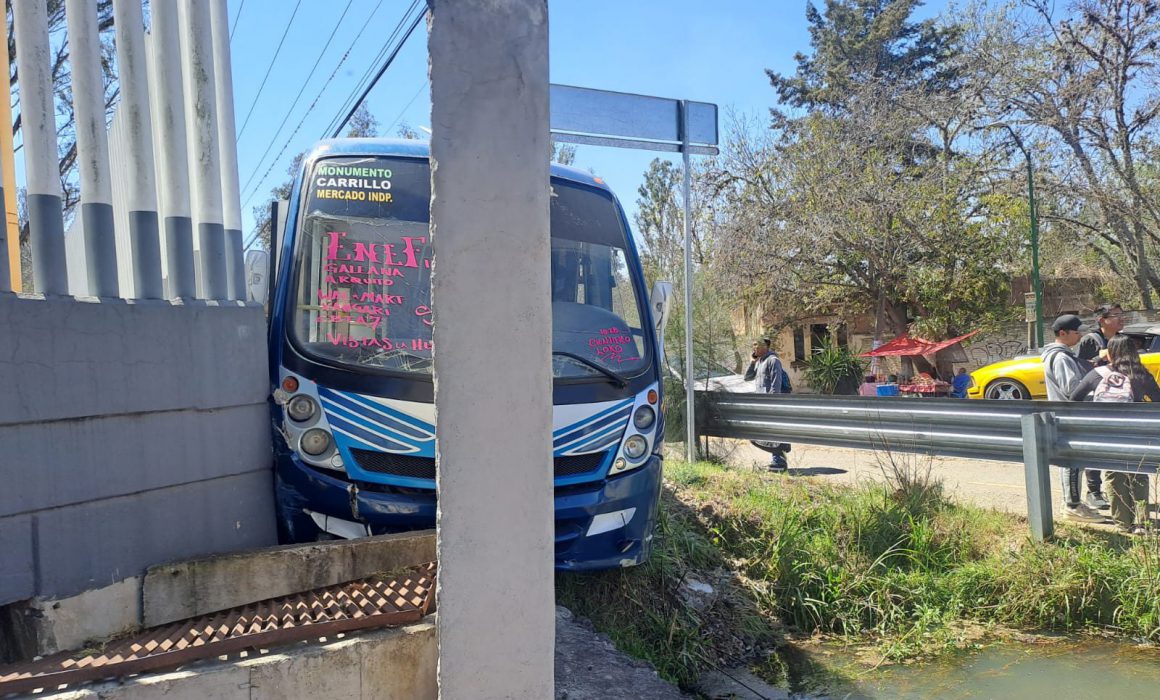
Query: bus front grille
[
  {"x": 573, "y": 465},
  {"x": 424, "y": 467},
  {"x": 395, "y": 464}
]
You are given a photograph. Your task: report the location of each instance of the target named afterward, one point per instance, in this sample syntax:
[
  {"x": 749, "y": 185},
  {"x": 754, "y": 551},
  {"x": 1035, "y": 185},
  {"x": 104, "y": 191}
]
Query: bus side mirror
[
  {"x": 662, "y": 305},
  {"x": 257, "y": 276}
]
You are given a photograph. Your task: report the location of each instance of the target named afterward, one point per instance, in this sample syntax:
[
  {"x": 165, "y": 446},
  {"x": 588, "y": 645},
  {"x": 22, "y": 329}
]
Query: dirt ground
[{"x": 997, "y": 485}]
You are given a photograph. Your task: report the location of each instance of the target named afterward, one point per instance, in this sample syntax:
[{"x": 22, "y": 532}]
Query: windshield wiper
[{"x": 621, "y": 382}]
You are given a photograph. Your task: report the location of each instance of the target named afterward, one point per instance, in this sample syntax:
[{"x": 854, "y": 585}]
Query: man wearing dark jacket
[{"x": 767, "y": 372}]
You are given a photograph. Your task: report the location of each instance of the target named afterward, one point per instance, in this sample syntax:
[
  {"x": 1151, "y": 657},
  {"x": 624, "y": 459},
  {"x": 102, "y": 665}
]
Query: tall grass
[
  {"x": 894, "y": 564},
  {"x": 904, "y": 566}
]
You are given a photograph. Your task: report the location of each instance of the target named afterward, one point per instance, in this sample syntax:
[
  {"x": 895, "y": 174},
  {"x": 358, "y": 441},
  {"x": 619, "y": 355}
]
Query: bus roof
[{"x": 414, "y": 148}]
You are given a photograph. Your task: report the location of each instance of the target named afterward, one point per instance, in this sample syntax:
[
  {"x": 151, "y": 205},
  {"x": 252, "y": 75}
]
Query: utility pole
[
  {"x": 1036, "y": 284},
  {"x": 1033, "y": 215}
]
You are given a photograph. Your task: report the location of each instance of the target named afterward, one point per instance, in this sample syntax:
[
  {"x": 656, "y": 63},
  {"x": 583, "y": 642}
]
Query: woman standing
[{"x": 1123, "y": 380}]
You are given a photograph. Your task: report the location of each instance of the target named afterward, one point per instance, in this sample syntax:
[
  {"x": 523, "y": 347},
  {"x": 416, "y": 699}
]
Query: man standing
[
  {"x": 767, "y": 374},
  {"x": 1092, "y": 349},
  {"x": 1111, "y": 321},
  {"x": 1062, "y": 371}
]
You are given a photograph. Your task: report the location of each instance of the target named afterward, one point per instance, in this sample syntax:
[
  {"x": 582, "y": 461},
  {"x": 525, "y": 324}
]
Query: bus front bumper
[{"x": 602, "y": 525}]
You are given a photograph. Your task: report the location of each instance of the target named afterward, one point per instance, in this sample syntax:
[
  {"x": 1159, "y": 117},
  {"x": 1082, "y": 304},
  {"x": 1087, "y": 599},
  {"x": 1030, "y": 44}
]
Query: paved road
[{"x": 997, "y": 485}]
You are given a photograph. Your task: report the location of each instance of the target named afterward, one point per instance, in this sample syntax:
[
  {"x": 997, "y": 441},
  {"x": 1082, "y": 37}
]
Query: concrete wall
[{"x": 131, "y": 434}]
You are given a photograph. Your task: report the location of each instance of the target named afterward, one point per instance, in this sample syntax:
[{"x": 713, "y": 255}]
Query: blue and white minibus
[{"x": 351, "y": 358}]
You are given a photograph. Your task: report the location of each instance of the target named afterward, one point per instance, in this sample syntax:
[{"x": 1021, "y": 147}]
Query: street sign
[
  {"x": 626, "y": 120},
  {"x": 1030, "y": 311}
]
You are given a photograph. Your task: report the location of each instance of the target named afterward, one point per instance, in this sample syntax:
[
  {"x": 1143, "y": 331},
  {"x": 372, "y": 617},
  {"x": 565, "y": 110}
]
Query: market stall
[{"x": 909, "y": 347}]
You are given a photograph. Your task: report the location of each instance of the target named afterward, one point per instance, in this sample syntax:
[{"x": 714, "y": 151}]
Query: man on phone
[{"x": 768, "y": 377}]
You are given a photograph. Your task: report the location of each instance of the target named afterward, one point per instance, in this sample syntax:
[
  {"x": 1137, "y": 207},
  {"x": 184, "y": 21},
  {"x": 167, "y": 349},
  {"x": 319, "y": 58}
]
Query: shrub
[{"x": 834, "y": 369}]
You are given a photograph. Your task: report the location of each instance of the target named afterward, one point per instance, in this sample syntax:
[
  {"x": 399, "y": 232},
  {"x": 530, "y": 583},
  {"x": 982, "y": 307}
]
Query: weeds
[{"x": 896, "y": 565}]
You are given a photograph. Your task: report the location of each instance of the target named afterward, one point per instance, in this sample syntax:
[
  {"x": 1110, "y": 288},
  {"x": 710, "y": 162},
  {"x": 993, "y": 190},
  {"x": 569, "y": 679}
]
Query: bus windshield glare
[{"x": 363, "y": 275}]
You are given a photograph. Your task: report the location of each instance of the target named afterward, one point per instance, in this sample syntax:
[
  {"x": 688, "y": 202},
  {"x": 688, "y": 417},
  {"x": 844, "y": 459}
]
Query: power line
[
  {"x": 404, "y": 110},
  {"x": 366, "y": 76},
  {"x": 313, "y": 104},
  {"x": 309, "y": 109},
  {"x": 301, "y": 90},
  {"x": 390, "y": 60},
  {"x": 238, "y": 16},
  {"x": 268, "y": 69}
]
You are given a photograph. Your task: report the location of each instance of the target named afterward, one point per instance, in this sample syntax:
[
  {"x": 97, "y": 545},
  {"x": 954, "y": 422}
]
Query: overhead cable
[{"x": 269, "y": 68}]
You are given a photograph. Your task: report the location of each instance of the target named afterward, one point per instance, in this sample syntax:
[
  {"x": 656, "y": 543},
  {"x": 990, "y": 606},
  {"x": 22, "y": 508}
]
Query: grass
[{"x": 892, "y": 564}]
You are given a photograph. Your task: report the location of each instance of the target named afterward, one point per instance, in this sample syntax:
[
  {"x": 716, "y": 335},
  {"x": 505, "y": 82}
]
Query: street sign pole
[{"x": 690, "y": 411}]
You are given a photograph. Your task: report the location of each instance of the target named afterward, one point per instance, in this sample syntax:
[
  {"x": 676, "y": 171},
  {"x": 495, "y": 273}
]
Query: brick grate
[{"x": 376, "y": 601}]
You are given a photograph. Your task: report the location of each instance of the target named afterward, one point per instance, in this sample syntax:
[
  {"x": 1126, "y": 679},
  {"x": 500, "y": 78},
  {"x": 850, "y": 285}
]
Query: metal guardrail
[{"x": 1113, "y": 437}]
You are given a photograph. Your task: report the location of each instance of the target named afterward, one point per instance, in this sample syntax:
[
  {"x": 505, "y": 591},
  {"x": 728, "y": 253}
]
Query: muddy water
[{"x": 1057, "y": 671}]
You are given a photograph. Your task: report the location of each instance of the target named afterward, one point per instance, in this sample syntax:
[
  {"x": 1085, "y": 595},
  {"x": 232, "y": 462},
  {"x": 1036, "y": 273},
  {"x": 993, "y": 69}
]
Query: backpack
[
  {"x": 786, "y": 387},
  {"x": 1114, "y": 387}
]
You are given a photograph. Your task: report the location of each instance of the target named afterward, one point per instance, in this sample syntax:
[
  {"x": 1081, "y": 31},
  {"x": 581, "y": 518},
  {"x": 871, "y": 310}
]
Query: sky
[{"x": 681, "y": 49}]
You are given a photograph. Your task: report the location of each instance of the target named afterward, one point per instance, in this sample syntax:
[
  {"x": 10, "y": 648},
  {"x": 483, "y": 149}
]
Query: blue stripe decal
[
  {"x": 351, "y": 416},
  {"x": 408, "y": 425},
  {"x": 595, "y": 427},
  {"x": 603, "y": 441},
  {"x": 592, "y": 437},
  {"x": 363, "y": 435},
  {"x": 612, "y": 409},
  {"x": 345, "y": 439}
]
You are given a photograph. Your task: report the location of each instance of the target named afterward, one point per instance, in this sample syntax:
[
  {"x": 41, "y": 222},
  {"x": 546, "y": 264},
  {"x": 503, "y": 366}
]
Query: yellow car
[{"x": 1022, "y": 377}]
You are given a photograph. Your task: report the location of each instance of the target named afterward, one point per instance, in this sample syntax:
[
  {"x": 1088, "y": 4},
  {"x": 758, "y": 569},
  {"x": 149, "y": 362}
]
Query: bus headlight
[
  {"x": 644, "y": 418},
  {"x": 635, "y": 447},
  {"x": 301, "y": 408},
  {"x": 315, "y": 441}
]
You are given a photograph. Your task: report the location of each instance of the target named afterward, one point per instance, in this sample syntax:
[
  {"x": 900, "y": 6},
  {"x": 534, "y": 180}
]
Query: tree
[
  {"x": 834, "y": 222},
  {"x": 874, "y": 202},
  {"x": 562, "y": 153},
  {"x": 362, "y": 124},
  {"x": 856, "y": 42},
  {"x": 1086, "y": 80}
]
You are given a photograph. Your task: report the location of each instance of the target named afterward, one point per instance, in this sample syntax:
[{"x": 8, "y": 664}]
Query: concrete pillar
[
  {"x": 5, "y": 270},
  {"x": 9, "y": 232},
  {"x": 38, "y": 129},
  {"x": 201, "y": 118},
  {"x": 227, "y": 140},
  {"x": 88, "y": 88},
  {"x": 134, "y": 80},
  {"x": 172, "y": 156},
  {"x": 489, "y": 223}
]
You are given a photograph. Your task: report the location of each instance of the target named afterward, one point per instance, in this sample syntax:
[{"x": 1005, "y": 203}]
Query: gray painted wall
[{"x": 131, "y": 434}]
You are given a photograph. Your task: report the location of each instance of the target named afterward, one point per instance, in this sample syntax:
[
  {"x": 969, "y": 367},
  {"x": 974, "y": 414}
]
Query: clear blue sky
[{"x": 690, "y": 49}]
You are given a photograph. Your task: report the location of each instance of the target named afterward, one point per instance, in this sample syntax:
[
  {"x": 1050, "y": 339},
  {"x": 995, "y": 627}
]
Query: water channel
[{"x": 1058, "y": 670}]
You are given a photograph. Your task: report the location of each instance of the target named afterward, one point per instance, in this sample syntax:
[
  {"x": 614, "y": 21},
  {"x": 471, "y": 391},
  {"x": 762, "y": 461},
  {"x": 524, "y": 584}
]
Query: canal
[{"x": 1056, "y": 670}]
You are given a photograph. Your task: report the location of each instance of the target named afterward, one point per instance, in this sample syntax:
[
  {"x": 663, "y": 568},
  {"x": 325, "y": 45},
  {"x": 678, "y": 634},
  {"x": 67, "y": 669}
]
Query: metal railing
[{"x": 1113, "y": 437}]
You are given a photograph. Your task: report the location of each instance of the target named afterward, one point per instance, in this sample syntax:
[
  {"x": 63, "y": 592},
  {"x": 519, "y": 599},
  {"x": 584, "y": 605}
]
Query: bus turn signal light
[
  {"x": 652, "y": 396},
  {"x": 290, "y": 384}
]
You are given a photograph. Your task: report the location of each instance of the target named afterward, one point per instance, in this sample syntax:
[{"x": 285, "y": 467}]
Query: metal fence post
[{"x": 1039, "y": 430}]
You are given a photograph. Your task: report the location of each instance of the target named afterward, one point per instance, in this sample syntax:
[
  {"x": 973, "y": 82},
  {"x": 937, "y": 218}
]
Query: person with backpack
[
  {"x": 1110, "y": 321},
  {"x": 1123, "y": 380},
  {"x": 1062, "y": 370},
  {"x": 769, "y": 377}
]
